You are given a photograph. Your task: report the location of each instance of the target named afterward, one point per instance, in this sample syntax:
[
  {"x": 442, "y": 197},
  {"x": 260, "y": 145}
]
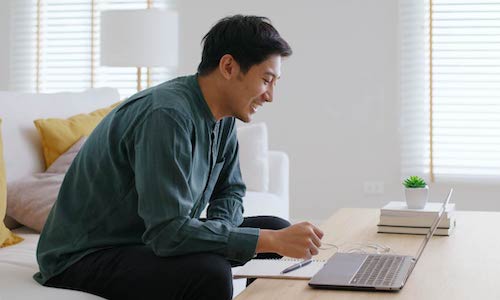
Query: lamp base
[{"x": 139, "y": 79}]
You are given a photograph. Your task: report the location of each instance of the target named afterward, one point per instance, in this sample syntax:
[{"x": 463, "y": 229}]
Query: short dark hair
[{"x": 249, "y": 39}]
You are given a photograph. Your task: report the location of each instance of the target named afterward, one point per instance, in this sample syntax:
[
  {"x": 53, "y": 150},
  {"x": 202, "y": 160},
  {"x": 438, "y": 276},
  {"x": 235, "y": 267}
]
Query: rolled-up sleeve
[{"x": 162, "y": 165}]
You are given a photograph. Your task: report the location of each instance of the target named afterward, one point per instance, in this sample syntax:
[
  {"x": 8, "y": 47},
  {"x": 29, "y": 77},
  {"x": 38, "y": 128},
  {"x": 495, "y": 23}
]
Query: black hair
[{"x": 249, "y": 39}]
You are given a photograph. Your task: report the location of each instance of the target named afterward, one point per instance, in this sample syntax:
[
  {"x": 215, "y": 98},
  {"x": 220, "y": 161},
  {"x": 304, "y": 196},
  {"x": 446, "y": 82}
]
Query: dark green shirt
[{"x": 144, "y": 176}]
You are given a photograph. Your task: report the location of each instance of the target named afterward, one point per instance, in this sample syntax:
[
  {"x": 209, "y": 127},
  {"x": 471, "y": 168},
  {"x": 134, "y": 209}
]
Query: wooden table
[{"x": 465, "y": 265}]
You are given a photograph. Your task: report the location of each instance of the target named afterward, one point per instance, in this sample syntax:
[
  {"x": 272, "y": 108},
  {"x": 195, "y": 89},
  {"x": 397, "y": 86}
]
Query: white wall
[
  {"x": 4, "y": 44},
  {"x": 336, "y": 107}
]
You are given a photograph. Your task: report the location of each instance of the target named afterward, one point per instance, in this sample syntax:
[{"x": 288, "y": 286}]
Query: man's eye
[{"x": 266, "y": 81}]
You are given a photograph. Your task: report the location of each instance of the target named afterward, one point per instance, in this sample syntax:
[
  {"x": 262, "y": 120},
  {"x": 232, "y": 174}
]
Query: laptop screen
[{"x": 434, "y": 226}]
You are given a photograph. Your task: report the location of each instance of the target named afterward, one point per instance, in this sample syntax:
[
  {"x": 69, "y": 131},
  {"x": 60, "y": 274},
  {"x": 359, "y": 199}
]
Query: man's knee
[
  {"x": 275, "y": 223},
  {"x": 265, "y": 222},
  {"x": 216, "y": 280},
  {"x": 281, "y": 223},
  {"x": 195, "y": 276}
]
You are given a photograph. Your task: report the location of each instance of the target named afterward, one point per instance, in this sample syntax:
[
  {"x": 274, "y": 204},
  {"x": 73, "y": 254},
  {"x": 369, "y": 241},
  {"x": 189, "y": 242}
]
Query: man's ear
[{"x": 228, "y": 66}]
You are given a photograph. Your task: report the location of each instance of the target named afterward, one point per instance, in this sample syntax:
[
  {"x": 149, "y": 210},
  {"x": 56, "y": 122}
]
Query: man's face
[{"x": 251, "y": 90}]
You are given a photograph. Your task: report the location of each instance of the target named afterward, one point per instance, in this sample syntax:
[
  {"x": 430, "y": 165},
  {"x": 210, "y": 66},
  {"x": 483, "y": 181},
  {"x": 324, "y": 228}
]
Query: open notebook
[{"x": 271, "y": 268}]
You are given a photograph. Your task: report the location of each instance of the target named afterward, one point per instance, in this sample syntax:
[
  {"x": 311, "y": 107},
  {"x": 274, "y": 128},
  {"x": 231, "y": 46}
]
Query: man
[{"x": 126, "y": 222}]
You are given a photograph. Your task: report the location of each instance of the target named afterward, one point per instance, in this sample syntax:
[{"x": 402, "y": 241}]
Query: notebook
[{"x": 271, "y": 268}]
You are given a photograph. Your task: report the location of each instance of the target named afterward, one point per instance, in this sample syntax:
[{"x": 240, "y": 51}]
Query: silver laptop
[{"x": 380, "y": 272}]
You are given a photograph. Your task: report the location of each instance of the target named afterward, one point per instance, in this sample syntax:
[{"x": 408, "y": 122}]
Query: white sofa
[{"x": 23, "y": 156}]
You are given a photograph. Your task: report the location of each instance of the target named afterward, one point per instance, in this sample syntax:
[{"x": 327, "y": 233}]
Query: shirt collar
[{"x": 201, "y": 102}]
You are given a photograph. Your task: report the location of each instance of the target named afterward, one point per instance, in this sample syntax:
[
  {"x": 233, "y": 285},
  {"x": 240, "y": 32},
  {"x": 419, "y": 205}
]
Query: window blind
[
  {"x": 55, "y": 47},
  {"x": 461, "y": 48}
]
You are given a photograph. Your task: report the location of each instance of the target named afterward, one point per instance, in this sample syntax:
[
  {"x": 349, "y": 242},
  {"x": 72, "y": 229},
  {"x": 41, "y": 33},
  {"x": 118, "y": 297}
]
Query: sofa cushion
[
  {"x": 11, "y": 223},
  {"x": 253, "y": 154},
  {"x": 17, "y": 266},
  {"x": 7, "y": 238},
  {"x": 57, "y": 135},
  {"x": 264, "y": 204},
  {"x": 22, "y": 149},
  {"x": 63, "y": 162},
  {"x": 31, "y": 198}
]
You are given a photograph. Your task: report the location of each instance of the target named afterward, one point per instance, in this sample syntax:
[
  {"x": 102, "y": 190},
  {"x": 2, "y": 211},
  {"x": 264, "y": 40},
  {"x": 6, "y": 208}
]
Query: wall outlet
[{"x": 373, "y": 187}]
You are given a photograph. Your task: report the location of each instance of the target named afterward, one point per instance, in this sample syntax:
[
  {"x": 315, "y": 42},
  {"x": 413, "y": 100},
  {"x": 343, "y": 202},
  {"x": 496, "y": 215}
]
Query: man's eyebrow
[{"x": 272, "y": 74}]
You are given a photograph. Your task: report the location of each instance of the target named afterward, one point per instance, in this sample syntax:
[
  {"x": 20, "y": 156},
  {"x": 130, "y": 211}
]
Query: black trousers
[{"x": 135, "y": 272}]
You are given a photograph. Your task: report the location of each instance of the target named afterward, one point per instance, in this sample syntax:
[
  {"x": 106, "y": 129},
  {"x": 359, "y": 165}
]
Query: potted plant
[{"x": 416, "y": 192}]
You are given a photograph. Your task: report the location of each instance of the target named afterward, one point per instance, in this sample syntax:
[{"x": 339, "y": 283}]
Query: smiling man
[{"x": 126, "y": 224}]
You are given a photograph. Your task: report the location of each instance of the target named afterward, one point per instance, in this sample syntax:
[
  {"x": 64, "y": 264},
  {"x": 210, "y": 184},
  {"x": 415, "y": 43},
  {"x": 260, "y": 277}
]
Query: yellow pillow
[
  {"x": 58, "y": 135},
  {"x": 7, "y": 238}
]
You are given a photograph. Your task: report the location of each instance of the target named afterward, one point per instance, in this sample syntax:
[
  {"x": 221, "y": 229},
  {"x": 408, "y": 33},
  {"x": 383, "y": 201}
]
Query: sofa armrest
[
  {"x": 279, "y": 175},
  {"x": 255, "y": 202}
]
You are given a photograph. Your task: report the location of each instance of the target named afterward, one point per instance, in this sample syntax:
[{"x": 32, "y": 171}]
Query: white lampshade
[{"x": 139, "y": 38}]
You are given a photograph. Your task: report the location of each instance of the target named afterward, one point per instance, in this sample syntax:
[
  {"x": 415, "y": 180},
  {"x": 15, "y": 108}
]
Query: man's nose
[{"x": 268, "y": 96}]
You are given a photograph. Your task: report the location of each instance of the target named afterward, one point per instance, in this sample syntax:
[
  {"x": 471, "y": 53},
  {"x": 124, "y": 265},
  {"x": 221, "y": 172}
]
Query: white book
[
  {"x": 419, "y": 221},
  {"x": 271, "y": 268},
  {"x": 431, "y": 209},
  {"x": 414, "y": 230}
]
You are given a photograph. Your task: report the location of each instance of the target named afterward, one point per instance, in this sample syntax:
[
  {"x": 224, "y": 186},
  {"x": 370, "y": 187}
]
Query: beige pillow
[
  {"x": 11, "y": 223},
  {"x": 31, "y": 198}
]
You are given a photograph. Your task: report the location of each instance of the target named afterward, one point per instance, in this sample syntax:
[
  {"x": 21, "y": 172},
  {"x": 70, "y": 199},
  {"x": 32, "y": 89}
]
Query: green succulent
[{"x": 414, "y": 182}]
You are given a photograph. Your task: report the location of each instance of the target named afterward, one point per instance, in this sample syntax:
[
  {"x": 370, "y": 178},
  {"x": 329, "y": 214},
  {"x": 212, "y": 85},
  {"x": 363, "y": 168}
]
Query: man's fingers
[
  {"x": 316, "y": 235},
  {"x": 318, "y": 232},
  {"x": 314, "y": 251},
  {"x": 315, "y": 239}
]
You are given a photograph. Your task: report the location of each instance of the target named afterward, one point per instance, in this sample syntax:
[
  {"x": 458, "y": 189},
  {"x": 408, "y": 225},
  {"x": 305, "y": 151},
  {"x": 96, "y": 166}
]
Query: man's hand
[{"x": 299, "y": 240}]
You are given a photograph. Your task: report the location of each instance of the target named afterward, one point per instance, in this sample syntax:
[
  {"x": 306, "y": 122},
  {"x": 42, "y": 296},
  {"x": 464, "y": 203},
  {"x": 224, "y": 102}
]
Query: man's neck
[{"x": 209, "y": 86}]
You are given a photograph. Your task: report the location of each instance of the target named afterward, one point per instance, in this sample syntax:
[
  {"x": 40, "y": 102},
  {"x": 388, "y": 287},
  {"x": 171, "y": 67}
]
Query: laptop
[{"x": 372, "y": 272}]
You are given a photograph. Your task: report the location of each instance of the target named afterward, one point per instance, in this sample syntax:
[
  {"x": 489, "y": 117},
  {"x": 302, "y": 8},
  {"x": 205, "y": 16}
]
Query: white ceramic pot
[{"x": 416, "y": 197}]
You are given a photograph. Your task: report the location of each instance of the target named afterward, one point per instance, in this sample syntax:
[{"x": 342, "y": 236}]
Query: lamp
[{"x": 139, "y": 38}]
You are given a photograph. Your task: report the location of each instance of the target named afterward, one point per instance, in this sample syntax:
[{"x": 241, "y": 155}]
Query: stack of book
[{"x": 396, "y": 217}]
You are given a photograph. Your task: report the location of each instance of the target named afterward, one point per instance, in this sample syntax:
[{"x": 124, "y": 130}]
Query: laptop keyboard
[{"x": 378, "y": 270}]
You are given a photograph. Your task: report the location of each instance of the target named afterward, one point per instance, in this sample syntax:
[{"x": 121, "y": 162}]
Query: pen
[{"x": 296, "y": 266}]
